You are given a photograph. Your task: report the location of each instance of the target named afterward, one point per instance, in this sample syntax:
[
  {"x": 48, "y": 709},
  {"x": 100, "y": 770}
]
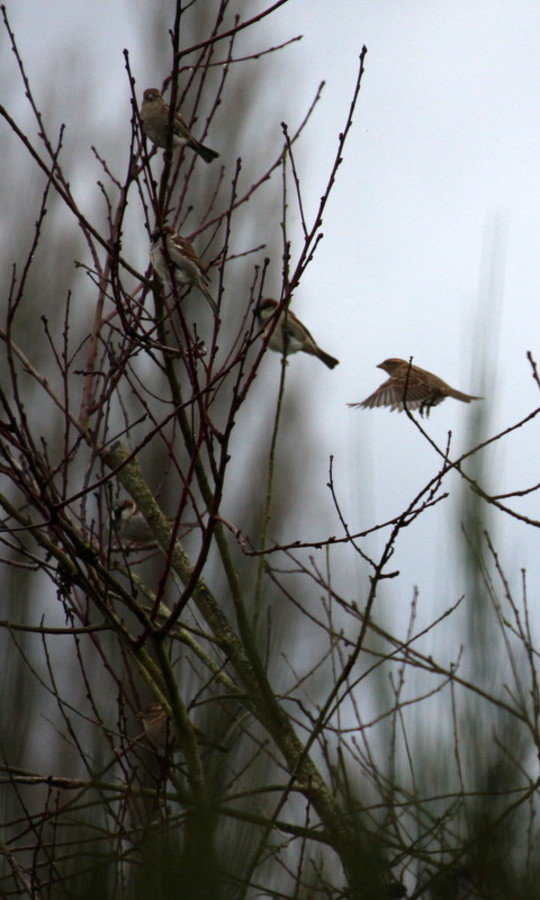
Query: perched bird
[
  {"x": 159, "y": 731},
  {"x": 173, "y": 255},
  {"x": 289, "y": 335},
  {"x": 412, "y": 387},
  {"x": 155, "y": 124},
  {"x": 131, "y": 526}
]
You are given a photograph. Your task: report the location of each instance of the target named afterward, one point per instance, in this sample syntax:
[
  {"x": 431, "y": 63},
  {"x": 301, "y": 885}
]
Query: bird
[
  {"x": 290, "y": 335},
  {"x": 410, "y": 387},
  {"x": 159, "y": 731},
  {"x": 131, "y": 526},
  {"x": 155, "y": 124},
  {"x": 173, "y": 255}
]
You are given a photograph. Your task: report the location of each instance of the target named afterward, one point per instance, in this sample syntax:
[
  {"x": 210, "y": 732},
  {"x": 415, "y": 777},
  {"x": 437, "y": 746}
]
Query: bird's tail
[
  {"x": 465, "y": 398},
  {"x": 208, "y": 295},
  {"x": 204, "y": 152},
  {"x": 328, "y": 360}
]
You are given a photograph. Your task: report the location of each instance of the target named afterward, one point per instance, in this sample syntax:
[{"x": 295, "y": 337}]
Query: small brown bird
[
  {"x": 412, "y": 387},
  {"x": 172, "y": 254},
  {"x": 155, "y": 123},
  {"x": 289, "y": 335},
  {"x": 159, "y": 731},
  {"x": 131, "y": 526}
]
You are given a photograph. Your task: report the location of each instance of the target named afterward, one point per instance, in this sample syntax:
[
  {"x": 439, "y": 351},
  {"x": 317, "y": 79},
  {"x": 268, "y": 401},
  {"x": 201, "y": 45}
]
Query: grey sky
[
  {"x": 440, "y": 176},
  {"x": 444, "y": 152}
]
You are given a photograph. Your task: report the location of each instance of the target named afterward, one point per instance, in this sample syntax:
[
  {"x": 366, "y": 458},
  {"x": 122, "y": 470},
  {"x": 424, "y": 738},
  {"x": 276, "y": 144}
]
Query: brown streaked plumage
[
  {"x": 155, "y": 124},
  {"x": 411, "y": 387},
  {"x": 172, "y": 254},
  {"x": 290, "y": 335},
  {"x": 159, "y": 731}
]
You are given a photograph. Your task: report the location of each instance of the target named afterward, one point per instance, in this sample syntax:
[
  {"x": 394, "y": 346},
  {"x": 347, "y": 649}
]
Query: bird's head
[
  {"x": 123, "y": 510},
  {"x": 151, "y": 712},
  {"x": 392, "y": 366},
  {"x": 151, "y": 95},
  {"x": 265, "y": 309},
  {"x": 159, "y": 233}
]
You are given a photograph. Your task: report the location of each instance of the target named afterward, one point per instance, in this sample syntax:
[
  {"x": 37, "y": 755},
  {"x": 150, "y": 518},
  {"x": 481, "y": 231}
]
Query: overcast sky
[
  {"x": 431, "y": 244},
  {"x": 431, "y": 250}
]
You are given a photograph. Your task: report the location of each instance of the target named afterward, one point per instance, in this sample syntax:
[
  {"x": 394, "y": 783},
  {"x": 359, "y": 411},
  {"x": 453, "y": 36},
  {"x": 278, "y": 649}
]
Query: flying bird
[
  {"x": 155, "y": 124},
  {"x": 290, "y": 335},
  {"x": 173, "y": 255},
  {"x": 410, "y": 387}
]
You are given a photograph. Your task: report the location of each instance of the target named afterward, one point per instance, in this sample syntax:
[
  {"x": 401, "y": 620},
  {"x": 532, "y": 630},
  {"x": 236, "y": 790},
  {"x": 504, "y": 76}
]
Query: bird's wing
[
  {"x": 390, "y": 393},
  {"x": 414, "y": 390},
  {"x": 190, "y": 254},
  {"x": 181, "y": 250},
  {"x": 296, "y": 329},
  {"x": 182, "y": 254},
  {"x": 180, "y": 127},
  {"x": 385, "y": 395}
]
